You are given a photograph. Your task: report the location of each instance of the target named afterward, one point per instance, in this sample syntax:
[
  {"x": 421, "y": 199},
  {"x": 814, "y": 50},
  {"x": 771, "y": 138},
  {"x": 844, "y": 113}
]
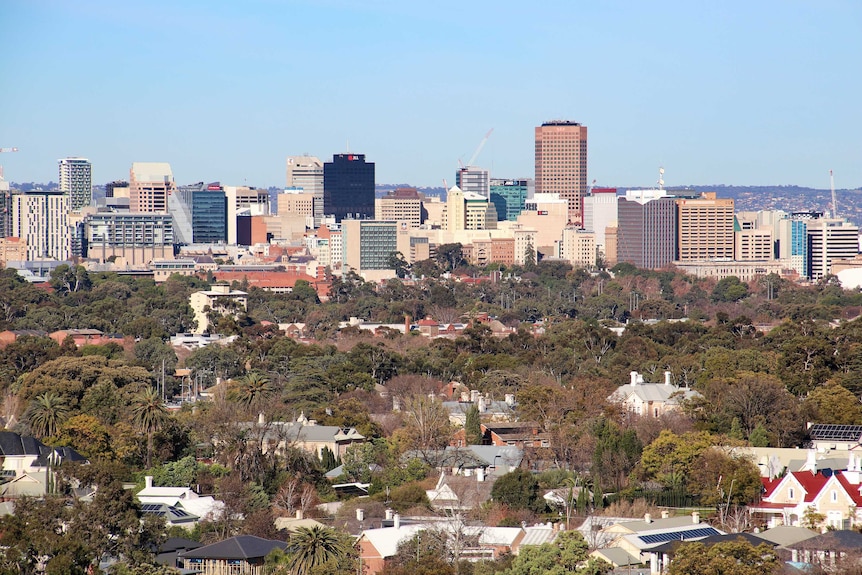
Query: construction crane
[
  {"x": 477, "y": 152},
  {"x": 834, "y": 197}
]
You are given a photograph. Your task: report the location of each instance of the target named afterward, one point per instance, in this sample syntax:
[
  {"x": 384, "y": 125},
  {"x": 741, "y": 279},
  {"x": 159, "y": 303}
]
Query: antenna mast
[{"x": 834, "y": 197}]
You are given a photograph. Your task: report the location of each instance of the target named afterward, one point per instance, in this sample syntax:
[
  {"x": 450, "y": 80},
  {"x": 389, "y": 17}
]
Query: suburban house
[
  {"x": 489, "y": 409},
  {"x": 219, "y": 299},
  {"x": 826, "y": 550},
  {"x": 178, "y": 505},
  {"x": 819, "y": 496},
  {"x": 26, "y": 465},
  {"x": 831, "y": 437},
  {"x": 650, "y": 399},
  {"x": 460, "y": 492},
  {"x": 305, "y": 434},
  {"x": 83, "y": 337},
  {"x": 241, "y": 555},
  {"x": 631, "y": 542},
  {"x": 479, "y": 542},
  {"x": 11, "y": 335},
  {"x": 493, "y": 460}
]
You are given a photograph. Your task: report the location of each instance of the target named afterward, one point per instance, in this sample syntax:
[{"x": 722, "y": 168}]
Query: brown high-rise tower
[{"x": 561, "y": 163}]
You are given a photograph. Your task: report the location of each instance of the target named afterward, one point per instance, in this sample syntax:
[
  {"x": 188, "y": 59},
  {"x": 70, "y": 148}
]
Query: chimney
[
  {"x": 396, "y": 403},
  {"x": 811, "y": 461},
  {"x": 483, "y": 404},
  {"x": 465, "y": 396},
  {"x": 480, "y": 474},
  {"x": 261, "y": 419},
  {"x": 647, "y": 518},
  {"x": 407, "y": 322},
  {"x": 634, "y": 376},
  {"x": 397, "y": 519},
  {"x": 853, "y": 474},
  {"x": 299, "y": 514},
  {"x": 695, "y": 517},
  {"x": 665, "y": 514},
  {"x": 510, "y": 399},
  {"x": 474, "y": 395},
  {"x": 389, "y": 513},
  {"x": 667, "y": 379},
  {"x": 148, "y": 481},
  {"x": 360, "y": 515}
]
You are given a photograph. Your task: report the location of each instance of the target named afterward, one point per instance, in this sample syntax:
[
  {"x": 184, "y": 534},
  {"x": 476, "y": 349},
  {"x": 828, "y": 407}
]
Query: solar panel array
[
  {"x": 830, "y": 432},
  {"x": 678, "y": 535}
]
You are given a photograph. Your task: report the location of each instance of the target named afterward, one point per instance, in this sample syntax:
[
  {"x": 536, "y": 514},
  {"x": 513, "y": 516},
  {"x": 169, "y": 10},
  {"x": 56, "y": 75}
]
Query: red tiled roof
[{"x": 851, "y": 489}]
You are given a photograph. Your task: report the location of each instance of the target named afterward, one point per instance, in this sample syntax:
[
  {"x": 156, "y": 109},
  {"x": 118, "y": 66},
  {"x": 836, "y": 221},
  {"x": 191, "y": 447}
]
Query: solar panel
[
  {"x": 149, "y": 507},
  {"x": 834, "y": 432},
  {"x": 179, "y": 512},
  {"x": 678, "y": 535}
]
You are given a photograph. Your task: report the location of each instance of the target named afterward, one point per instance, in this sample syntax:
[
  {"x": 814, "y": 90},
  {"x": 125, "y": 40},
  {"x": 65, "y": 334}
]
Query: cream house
[
  {"x": 651, "y": 399},
  {"x": 220, "y": 299},
  {"x": 814, "y": 497}
]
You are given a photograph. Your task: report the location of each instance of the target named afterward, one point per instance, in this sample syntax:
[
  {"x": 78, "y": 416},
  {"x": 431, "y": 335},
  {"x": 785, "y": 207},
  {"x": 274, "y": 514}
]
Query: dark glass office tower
[
  {"x": 209, "y": 215},
  {"x": 348, "y": 187}
]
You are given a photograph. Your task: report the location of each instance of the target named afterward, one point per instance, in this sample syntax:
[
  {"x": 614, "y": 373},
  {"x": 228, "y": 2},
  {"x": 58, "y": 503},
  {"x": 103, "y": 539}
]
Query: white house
[{"x": 651, "y": 399}]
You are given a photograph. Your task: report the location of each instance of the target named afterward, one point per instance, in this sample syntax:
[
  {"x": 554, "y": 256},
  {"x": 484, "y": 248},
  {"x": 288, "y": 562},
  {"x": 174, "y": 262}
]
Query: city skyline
[{"x": 731, "y": 94}]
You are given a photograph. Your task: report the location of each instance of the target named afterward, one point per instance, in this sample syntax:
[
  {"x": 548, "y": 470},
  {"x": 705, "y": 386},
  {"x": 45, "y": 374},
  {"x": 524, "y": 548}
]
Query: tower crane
[
  {"x": 479, "y": 149},
  {"x": 834, "y": 197}
]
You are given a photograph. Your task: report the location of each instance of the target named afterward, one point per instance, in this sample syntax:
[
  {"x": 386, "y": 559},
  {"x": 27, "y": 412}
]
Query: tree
[
  {"x": 251, "y": 390},
  {"x": 569, "y": 553},
  {"x": 148, "y": 413},
  {"x": 518, "y": 489},
  {"x": 47, "y": 411},
  {"x": 473, "y": 426},
  {"x": 86, "y": 435},
  {"x": 396, "y": 262},
  {"x": 313, "y": 547},
  {"x": 726, "y": 558},
  {"x": 832, "y": 403},
  {"x": 729, "y": 289},
  {"x": 427, "y": 426},
  {"x": 719, "y": 479},
  {"x": 670, "y": 458}
]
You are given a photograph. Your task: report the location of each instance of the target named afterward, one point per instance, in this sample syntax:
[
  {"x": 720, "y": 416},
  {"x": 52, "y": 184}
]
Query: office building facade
[
  {"x": 474, "y": 180},
  {"x": 400, "y": 205},
  {"x": 705, "y": 228},
  {"x": 368, "y": 244},
  {"x": 509, "y": 197},
  {"x": 348, "y": 187},
  {"x": 76, "y": 181},
  {"x": 647, "y": 229},
  {"x": 600, "y": 213},
  {"x": 829, "y": 240},
  {"x": 150, "y": 184},
  {"x": 305, "y": 173},
  {"x": 200, "y": 214},
  {"x": 561, "y": 163},
  {"x": 139, "y": 238}
]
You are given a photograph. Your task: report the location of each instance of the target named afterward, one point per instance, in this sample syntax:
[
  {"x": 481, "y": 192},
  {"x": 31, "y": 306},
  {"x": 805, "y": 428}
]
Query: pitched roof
[
  {"x": 786, "y": 535},
  {"x": 239, "y": 547},
  {"x": 831, "y": 432},
  {"x": 754, "y": 540},
  {"x": 832, "y": 541}
]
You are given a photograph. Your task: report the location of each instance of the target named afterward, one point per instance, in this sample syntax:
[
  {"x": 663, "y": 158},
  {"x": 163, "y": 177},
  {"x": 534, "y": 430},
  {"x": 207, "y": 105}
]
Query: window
[
  {"x": 790, "y": 494},
  {"x": 834, "y": 496}
]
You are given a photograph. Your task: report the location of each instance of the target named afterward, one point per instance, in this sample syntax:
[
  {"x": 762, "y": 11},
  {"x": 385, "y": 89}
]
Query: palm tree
[
  {"x": 46, "y": 413},
  {"x": 311, "y": 547},
  {"x": 148, "y": 414},
  {"x": 251, "y": 389}
]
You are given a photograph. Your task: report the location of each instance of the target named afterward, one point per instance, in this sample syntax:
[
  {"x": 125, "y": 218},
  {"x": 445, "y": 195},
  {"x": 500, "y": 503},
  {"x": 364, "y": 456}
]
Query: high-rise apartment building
[
  {"x": 646, "y": 231},
  {"x": 509, "y": 196},
  {"x": 348, "y": 187},
  {"x": 561, "y": 163},
  {"x": 306, "y": 173},
  {"x": 41, "y": 220},
  {"x": 150, "y": 184},
  {"x": 705, "y": 228},
  {"x": 76, "y": 181}
]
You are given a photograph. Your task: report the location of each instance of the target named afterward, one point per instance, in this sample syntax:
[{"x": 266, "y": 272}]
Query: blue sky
[{"x": 733, "y": 92}]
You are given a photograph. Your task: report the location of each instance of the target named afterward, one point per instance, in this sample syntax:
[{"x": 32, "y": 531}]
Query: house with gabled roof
[
  {"x": 651, "y": 399},
  {"x": 805, "y": 496},
  {"x": 240, "y": 555},
  {"x": 21, "y": 454},
  {"x": 178, "y": 505}
]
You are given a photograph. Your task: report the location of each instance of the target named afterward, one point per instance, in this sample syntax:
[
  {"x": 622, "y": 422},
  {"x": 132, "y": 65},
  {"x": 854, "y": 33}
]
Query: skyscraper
[
  {"x": 200, "y": 214},
  {"x": 705, "y": 228},
  {"x": 646, "y": 235},
  {"x": 348, "y": 187},
  {"x": 474, "y": 180},
  {"x": 150, "y": 184},
  {"x": 76, "y": 181},
  {"x": 561, "y": 163},
  {"x": 509, "y": 196},
  {"x": 41, "y": 220},
  {"x": 306, "y": 172}
]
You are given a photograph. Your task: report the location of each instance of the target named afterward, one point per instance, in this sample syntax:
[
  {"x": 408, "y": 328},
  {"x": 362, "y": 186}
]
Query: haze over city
[{"x": 733, "y": 93}]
